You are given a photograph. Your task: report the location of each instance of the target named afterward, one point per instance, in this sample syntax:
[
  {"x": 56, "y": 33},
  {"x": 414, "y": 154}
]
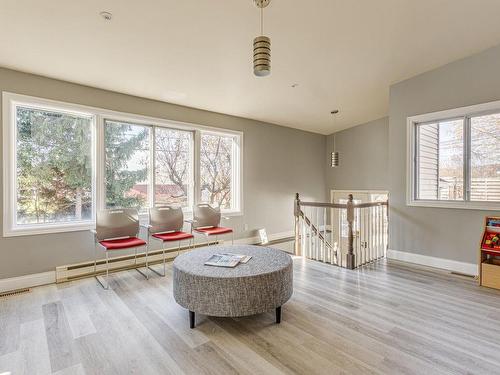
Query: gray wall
[
  {"x": 363, "y": 157},
  {"x": 278, "y": 162},
  {"x": 444, "y": 233}
]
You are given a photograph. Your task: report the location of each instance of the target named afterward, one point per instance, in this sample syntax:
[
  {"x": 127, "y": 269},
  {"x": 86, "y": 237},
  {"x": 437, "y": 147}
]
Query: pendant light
[
  {"x": 335, "y": 157},
  {"x": 262, "y": 45}
]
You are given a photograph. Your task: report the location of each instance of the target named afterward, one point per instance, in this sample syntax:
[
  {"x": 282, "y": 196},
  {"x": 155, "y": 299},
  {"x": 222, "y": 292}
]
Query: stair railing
[{"x": 357, "y": 233}]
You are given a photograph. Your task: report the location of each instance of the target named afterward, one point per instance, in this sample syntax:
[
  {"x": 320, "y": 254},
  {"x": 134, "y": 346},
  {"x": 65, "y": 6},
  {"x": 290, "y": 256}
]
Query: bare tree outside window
[
  {"x": 485, "y": 158},
  {"x": 173, "y": 167},
  {"x": 216, "y": 169}
]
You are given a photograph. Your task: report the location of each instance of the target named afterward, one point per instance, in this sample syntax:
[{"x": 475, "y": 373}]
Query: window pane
[
  {"x": 440, "y": 160},
  {"x": 485, "y": 158},
  {"x": 451, "y": 160},
  {"x": 428, "y": 160},
  {"x": 54, "y": 167},
  {"x": 216, "y": 169},
  {"x": 127, "y": 165},
  {"x": 173, "y": 159}
]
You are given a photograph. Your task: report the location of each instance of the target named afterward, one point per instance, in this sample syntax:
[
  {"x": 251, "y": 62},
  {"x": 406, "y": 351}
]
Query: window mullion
[
  {"x": 197, "y": 168},
  {"x": 467, "y": 158},
  {"x": 152, "y": 166},
  {"x": 234, "y": 174},
  {"x": 415, "y": 172},
  {"x": 100, "y": 164}
]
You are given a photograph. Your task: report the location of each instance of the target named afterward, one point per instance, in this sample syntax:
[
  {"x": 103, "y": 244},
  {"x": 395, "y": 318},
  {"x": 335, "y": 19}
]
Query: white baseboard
[
  {"x": 426, "y": 260},
  {"x": 27, "y": 281},
  {"x": 256, "y": 240}
]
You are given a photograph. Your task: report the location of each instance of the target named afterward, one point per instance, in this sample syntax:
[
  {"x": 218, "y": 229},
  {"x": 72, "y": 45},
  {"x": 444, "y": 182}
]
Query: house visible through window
[
  {"x": 440, "y": 160},
  {"x": 457, "y": 159}
]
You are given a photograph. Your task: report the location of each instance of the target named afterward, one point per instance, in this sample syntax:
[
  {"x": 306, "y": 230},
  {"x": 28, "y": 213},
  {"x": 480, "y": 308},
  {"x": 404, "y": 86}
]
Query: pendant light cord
[
  {"x": 261, "y": 21},
  {"x": 334, "y": 135}
]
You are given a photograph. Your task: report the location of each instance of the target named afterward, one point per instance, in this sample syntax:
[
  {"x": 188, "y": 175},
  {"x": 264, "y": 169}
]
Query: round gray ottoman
[{"x": 262, "y": 284}]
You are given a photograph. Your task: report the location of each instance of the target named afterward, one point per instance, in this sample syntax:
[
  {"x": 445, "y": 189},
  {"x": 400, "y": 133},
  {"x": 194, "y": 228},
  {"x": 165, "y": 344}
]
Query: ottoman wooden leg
[
  {"x": 278, "y": 315},
  {"x": 191, "y": 319}
]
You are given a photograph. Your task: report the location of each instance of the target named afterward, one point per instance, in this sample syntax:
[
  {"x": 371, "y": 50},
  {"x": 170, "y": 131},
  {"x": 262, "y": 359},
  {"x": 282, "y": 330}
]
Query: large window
[
  {"x": 127, "y": 165},
  {"x": 174, "y": 167},
  {"x": 132, "y": 165},
  {"x": 63, "y": 162},
  {"x": 440, "y": 160},
  {"x": 54, "y": 167},
  {"x": 454, "y": 158},
  {"x": 217, "y": 158}
]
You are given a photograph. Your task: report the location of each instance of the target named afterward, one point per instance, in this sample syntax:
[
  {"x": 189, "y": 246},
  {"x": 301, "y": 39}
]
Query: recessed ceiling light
[{"x": 106, "y": 15}]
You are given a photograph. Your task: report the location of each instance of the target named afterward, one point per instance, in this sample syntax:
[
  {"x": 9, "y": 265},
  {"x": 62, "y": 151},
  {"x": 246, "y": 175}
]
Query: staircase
[{"x": 347, "y": 235}]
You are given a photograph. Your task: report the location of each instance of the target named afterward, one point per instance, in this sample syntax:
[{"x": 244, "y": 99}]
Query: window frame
[
  {"x": 99, "y": 115},
  {"x": 236, "y": 182},
  {"x": 9, "y": 108},
  {"x": 465, "y": 113}
]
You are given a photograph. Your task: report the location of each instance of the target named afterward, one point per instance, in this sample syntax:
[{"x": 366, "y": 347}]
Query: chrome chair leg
[
  {"x": 147, "y": 261},
  {"x": 95, "y": 258},
  {"x": 107, "y": 270},
  {"x": 97, "y": 277},
  {"x": 135, "y": 256},
  {"x": 106, "y": 287},
  {"x": 148, "y": 269},
  {"x": 164, "y": 263},
  {"x": 164, "y": 266},
  {"x": 232, "y": 238}
]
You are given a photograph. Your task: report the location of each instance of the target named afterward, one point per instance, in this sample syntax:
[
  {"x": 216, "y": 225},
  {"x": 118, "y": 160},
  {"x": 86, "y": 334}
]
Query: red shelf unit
[{"x": 489, "y": 253}]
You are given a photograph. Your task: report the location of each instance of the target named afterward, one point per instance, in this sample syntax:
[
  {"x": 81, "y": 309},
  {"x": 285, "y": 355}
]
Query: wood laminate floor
[{"x": 388, "y": 318}]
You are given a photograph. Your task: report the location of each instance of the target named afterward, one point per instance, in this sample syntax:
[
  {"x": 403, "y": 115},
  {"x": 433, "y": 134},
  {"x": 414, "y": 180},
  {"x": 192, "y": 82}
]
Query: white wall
[
  {"x": 363, "y": 152},
  {"x": 442, "y": 233}
]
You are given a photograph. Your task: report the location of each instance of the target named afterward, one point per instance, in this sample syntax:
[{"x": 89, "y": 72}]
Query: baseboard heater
[{"x": 86, "y": 269}]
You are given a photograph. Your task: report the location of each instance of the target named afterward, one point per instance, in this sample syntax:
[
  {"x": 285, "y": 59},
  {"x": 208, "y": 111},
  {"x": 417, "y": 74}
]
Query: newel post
[
  {"x": 296, "y": 214},
  {"x": 350, "y": 221}
]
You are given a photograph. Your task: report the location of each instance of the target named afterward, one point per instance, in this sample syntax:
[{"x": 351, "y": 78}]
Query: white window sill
[
  {"x": 31, "y": 230},
  {"x": 232, "y": 213},
  {"x": 485, "y": 206}
]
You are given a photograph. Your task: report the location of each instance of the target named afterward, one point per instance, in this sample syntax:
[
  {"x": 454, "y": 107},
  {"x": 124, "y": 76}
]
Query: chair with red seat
[
  {"x": 206, "y": 221},
  {"x": 165, "y": 225},
  {"x": 117, "y": 229}
]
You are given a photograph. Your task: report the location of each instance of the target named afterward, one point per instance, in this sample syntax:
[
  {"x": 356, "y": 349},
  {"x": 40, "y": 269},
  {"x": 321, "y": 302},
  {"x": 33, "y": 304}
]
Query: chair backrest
[
  {"x": 165, "y": 219},
  {"x": 206, "y": 216},
  {"x": 116, "y": 223}
]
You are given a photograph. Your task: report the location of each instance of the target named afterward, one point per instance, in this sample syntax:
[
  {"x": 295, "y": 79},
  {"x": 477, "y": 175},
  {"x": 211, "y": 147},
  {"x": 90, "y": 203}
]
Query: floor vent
[
  {"x": 463, "y": 274},
  {"x": 14, "y": 292}
]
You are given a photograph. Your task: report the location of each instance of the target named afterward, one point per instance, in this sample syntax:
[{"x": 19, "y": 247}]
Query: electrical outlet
[{"x": 246, "y": 226}]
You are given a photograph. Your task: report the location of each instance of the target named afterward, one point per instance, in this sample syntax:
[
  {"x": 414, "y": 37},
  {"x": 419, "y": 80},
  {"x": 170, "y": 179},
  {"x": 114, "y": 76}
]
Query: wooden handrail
[{"x": 340, "y": 205}]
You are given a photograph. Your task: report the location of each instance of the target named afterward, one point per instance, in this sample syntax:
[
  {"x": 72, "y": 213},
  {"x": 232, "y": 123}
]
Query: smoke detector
[{"x": 106, "y": 16}]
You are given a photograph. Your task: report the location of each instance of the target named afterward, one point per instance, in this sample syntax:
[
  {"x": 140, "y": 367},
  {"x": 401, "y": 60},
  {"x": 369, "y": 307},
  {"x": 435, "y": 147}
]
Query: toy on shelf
[{"x": 489, "y": 254}]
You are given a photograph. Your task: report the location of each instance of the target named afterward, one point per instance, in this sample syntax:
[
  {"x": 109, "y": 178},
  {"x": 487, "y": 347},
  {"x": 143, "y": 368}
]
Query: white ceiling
[{"x": 342, "y": 53}]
